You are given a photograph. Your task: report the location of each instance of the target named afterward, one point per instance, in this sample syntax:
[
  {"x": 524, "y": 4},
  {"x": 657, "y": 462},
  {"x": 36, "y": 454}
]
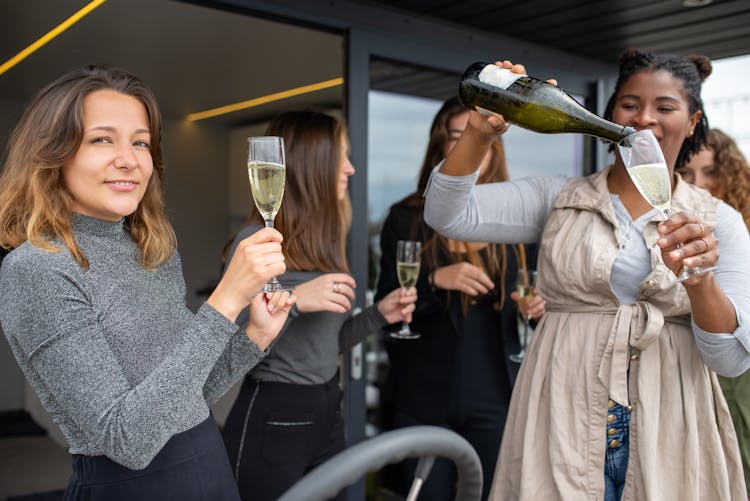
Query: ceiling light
[
  {"x": 229, "y": 108},
  {"x": 49, "y": 36},
  {"x": 695, "y": 3}
]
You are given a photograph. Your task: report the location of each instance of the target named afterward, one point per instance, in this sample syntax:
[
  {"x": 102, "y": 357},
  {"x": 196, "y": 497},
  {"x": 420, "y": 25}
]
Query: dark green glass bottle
[{"x": 535, "y": 105}]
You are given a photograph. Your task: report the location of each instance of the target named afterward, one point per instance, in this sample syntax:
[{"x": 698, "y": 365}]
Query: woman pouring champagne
[{"x": 617, "y": 397}]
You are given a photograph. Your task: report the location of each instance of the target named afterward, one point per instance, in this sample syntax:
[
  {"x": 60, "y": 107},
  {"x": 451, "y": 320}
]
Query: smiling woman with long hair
[
  {"x": 287, "y": 418},
  {"x": 92, "y": 298}
]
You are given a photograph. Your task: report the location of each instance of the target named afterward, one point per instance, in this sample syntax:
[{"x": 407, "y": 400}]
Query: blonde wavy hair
[{"x": 35, "y": 204}]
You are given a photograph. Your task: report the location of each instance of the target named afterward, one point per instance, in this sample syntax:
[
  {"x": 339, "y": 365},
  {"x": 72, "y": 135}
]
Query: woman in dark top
[{"x": 457, "y": 374}]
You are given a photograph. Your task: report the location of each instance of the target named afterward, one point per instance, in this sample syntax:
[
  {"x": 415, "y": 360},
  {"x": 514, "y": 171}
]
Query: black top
[{"x": 459, "y": 366}]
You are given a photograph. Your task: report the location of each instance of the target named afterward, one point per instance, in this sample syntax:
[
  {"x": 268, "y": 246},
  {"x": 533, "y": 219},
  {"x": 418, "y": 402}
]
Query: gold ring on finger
[
  {"x": 702, "y": 229},
  {"x": 705, "y": 242}
]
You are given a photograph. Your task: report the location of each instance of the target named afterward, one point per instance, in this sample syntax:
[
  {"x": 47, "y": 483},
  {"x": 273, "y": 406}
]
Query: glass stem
[
  {"x": 273, "y": 284},
  {"x": 525, "y": 334}
]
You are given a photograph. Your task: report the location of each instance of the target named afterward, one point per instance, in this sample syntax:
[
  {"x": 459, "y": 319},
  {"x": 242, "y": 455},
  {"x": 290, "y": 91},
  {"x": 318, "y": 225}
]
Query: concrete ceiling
[
  {"x": 600, "y": 29},
  {"x": 194, "y": 58}
]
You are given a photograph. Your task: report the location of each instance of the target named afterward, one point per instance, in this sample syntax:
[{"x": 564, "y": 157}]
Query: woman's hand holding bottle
[
  {"x": 490, "y": 125},
  {"x": 466, "y": 156},
  {"x": 257, "y": 259}
]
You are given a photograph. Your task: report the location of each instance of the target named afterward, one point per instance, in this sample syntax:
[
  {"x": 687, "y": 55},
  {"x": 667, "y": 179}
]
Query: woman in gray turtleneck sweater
[{"x": 92, "y": 297}]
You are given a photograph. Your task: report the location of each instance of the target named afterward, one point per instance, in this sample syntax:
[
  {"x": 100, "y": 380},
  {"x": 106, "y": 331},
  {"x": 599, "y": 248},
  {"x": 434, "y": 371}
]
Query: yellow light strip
[
  {"x": 49, "y": 36},
  {"x": 265, "y": 99}
]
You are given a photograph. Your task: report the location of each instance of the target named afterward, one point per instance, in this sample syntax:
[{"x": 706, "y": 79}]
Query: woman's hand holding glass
[
  {"x": 268, "y": 314},
  {"x": 256, "y": 259},
  {"x": 332, "y": 292},
  {"x": 644, "y": 161},
  {"x": 525, "y": 292},
  {"x": 688, "y": 241},
  {"x": 398, "y": 305},
  {"x": 533, "y": 308}
]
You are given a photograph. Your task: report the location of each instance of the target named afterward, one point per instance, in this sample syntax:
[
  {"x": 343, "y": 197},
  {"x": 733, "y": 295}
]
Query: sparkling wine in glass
[
  {"x": 525, "y": 283},
  {"x": 408, "y": 258},
  {"x": 644, "y": 161},
  {"x": 266, "y": 168}
]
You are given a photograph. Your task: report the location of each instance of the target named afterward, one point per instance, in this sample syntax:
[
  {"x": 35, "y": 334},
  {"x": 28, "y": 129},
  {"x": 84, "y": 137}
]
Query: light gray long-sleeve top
[
  {"x": 516, "y": 211},
  {"x": 113, "y": 352}
]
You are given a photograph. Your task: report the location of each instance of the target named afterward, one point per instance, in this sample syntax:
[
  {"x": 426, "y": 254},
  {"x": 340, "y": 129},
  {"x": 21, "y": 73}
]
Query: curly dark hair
[{"x": 692, "y": 70}]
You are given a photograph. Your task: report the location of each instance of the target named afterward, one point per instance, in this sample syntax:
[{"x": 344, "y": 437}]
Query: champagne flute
[
  {"x": 644, "y": 161},
  {"x": 266, "y": 167},
  {"x": 408, "y": 257},
  {"x": 525, "y": 282}
]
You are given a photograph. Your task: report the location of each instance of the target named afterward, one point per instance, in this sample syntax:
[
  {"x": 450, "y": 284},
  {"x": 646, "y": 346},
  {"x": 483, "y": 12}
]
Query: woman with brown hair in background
[
  {"x": 720, "y": 168},
  {"x": 458, "y": 374},
  {"x": 287, "y": 418}
]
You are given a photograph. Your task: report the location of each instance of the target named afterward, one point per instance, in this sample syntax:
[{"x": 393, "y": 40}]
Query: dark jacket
[{"x": 423, "y": 370}]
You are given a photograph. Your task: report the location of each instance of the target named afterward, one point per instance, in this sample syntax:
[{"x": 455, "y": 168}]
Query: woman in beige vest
[{"x": 617, "y": 397}]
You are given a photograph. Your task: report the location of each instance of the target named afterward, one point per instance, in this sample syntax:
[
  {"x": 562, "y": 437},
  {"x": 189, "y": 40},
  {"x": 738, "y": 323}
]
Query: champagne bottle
[{"x": 532, "y": 103}]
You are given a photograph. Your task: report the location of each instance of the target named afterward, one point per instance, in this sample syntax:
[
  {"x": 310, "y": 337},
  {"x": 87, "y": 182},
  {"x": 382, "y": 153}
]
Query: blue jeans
[{"x": 618, "y": 449}]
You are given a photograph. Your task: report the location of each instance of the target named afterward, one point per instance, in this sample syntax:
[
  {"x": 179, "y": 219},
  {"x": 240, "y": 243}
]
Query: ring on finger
[
  {"x": 705, "y": 242},
  {"x": 336, "y": 287},
  {"x": 703, "y": 232}
]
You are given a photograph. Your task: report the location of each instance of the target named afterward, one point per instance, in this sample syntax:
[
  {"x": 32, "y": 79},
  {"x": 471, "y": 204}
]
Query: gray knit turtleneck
[{"x": 113, "y": 352}]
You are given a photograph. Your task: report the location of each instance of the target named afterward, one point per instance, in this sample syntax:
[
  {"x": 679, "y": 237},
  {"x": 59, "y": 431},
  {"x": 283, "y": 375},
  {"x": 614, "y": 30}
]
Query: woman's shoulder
[
  {"x": 28, "y": 270},
  {"x": 28, "y": 256},
  {"x": 729, "y": 219}
]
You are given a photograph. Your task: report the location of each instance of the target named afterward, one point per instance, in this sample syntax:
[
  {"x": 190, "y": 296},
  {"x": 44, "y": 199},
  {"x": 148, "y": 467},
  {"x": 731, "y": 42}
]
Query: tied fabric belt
[{"x": 635, "y": 325}]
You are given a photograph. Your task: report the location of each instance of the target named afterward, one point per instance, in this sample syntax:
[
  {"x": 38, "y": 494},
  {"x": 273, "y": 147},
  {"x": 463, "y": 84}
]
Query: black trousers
[
  {"x": 441, "y": 482},
  {"x": 277, "y": 432},
  {"x": 192, "y": 465}
]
